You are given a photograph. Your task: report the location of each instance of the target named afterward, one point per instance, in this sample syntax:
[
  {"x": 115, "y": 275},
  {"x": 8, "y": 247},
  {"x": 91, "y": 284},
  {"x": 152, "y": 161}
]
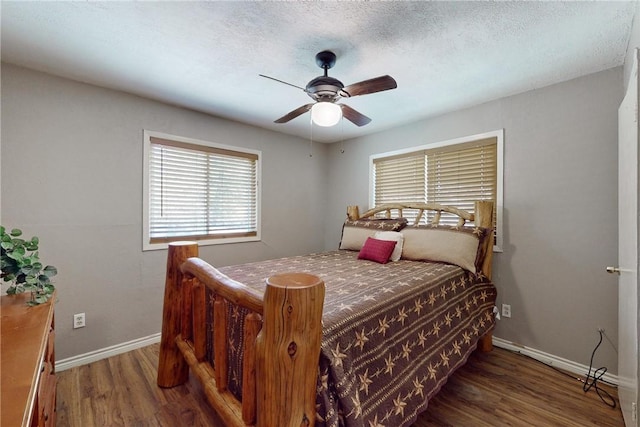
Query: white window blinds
[
  {"x": 400, "y": 178},
  {"x": 199, "y": 192},
  {"x": 460, "y": 174},
  {"x": 456, "y": 175}
]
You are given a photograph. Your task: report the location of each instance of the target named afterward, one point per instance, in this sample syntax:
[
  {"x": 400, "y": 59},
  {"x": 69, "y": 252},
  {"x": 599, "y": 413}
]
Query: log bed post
[
  {"x": 288, "y": 350},
  {"x": 483, "y": 217},
  {"x": 353, "y": 213},
  {"x": 173, "y": 370}
]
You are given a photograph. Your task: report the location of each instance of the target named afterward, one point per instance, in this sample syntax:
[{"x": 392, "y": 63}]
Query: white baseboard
[
  {"x": 550, "y": 359},
  {"x": 94, "y": 356}
]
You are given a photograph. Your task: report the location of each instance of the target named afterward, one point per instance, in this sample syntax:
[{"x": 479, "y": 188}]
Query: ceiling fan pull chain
[
  {"x": 310, "y": 138},
  {"x": 342, "y": 135}
]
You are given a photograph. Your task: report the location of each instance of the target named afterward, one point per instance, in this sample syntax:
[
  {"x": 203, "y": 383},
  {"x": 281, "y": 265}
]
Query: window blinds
[
  {"x": 200, "y": 192},
  {"x": 455, "y": 175},
  {"x": 460, "y": 175},
  {"x": 400, "y": 178}
]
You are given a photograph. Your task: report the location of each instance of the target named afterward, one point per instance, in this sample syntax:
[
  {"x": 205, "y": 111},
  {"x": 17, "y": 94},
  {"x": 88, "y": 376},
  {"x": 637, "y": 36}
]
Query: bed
[{"x": 358, "y": 336}]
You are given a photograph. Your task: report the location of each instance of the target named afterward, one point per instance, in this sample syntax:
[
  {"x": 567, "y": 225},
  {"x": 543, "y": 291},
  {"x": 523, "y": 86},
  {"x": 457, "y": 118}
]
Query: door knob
[{"x": 613, "y": 270}]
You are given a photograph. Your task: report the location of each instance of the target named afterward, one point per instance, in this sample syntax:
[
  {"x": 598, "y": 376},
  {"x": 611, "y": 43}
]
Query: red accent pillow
[{"x": 377, "y": 250}]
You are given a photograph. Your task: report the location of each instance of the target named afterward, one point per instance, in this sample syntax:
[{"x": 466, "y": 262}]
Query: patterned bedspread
[{"x": 392, "y": 333}]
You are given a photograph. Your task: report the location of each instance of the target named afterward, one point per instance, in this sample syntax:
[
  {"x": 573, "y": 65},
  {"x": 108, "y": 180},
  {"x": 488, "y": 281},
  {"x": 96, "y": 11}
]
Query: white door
[{"x": 628, "y": 249}]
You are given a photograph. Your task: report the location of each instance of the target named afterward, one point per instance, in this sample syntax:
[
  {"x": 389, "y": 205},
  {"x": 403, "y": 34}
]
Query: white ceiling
[{"x": 207, "y": 55}]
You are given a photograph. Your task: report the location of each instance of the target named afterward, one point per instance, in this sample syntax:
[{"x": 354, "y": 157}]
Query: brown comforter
[{"x": 392, "y": 333}]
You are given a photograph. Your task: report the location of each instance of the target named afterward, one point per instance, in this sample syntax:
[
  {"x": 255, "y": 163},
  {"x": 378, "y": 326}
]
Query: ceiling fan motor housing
[{"x": 324, "y": 88}]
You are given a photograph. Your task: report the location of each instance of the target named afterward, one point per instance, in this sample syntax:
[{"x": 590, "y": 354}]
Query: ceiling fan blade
[
  {"x": 295, "y": 113},
  {"x": 365, "y": 87},
  {"x": 280, "y": 81},
  {"x": 353, "y": 116}
]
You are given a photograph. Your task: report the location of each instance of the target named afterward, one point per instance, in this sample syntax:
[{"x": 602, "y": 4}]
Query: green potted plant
[{"x": 21, "y": 267}]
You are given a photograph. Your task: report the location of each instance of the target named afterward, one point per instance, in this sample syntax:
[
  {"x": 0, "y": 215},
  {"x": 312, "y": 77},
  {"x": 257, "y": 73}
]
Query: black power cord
[{"x": 592, "y": 380}]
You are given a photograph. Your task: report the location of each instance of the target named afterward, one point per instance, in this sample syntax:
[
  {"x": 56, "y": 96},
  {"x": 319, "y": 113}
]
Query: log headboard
[{"x": 481, "y": 217}]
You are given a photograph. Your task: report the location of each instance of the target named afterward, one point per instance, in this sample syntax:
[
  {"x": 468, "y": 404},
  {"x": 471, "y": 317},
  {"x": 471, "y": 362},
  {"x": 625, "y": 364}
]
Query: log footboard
[{"x": 282, "y": 341}]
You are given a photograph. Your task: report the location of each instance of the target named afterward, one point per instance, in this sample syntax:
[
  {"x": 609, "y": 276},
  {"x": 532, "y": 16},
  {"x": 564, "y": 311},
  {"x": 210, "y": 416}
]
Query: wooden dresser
[{"x": 27, "y": 363}]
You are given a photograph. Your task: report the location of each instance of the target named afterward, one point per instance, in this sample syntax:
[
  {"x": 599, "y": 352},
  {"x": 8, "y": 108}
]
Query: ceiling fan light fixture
[{"x": 326, "y": 114}]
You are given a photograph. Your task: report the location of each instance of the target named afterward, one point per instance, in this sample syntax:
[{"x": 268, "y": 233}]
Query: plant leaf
[
  {"x": 15, "y": 255},
  {"x": 50, "y": 271},
  {"x": 16, "y": 232}
]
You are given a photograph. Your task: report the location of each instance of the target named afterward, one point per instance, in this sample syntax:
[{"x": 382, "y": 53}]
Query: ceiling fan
[{"x": 326, "y": 91}]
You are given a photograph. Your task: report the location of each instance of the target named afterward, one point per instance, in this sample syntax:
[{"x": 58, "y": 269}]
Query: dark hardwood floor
[{"x": 493, "y": 389}]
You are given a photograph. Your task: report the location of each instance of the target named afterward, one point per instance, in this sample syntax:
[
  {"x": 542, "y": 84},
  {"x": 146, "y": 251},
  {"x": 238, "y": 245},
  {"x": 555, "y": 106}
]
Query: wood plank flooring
[{"x": 493, "y": 389}]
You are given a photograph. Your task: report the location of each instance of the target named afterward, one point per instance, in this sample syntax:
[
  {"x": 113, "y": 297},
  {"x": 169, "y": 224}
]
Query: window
[
  {"x": 455, "y": 173},
  {"x": 197, "y": 190}
]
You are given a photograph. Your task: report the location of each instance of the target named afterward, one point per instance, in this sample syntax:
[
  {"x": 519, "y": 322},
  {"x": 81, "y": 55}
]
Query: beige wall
[
  {"x": 72, "y": 174},
  {"x": 560, "y": 207}
]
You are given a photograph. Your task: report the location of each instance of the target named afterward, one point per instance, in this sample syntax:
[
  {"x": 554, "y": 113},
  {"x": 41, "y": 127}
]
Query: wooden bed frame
[{"x": 282, "y": 334}]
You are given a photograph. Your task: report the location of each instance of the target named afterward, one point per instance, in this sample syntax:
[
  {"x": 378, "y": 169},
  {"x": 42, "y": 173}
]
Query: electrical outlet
[
  {"x": 506, "y": 310},
  {"x": 78, "y": 321}
]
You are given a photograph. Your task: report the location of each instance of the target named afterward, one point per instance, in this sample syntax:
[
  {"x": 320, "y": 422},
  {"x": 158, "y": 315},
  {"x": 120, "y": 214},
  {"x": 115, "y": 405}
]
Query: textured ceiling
[{"x": 207, "y": 55}]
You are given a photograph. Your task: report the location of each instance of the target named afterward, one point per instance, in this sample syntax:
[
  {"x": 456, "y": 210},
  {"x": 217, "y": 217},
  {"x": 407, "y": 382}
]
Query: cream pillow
[
  {"x": 353, "y": 238},
  {"x": 454, "y": 245},
  {"x": 393, "y": 236},
  {"x": 355, "y": 233}
]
